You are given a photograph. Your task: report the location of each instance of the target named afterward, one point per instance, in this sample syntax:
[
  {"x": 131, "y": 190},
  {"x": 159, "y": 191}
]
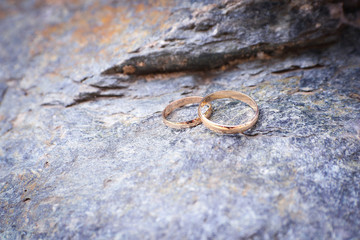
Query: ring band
[
  {"x": 180, "y": 103},
  {"x": 228, "y": 128}
]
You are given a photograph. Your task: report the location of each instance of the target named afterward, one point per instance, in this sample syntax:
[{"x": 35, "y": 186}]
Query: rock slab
[{"x": 84, "y": 153}]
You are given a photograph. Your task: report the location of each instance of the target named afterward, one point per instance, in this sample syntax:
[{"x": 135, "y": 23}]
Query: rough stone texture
[
  {"x": 235, "y": 30},
  {"x": 83, "y": 151}
]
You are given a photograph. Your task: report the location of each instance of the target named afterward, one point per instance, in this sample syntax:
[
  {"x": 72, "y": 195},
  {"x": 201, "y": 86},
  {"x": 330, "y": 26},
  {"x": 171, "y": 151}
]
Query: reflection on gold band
[
  {"x": 180, "y": 103},
  {"x": 228, "y": 128}
]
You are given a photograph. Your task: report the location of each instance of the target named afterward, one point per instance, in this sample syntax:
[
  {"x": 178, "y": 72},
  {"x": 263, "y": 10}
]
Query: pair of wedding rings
[{"x": 204, "y": 117}]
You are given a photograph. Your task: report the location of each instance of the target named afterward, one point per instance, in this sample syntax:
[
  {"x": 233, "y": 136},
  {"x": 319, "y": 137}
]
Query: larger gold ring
[
  {"x": 228, "y": 128},
  {"x": 180, "y": 103}
]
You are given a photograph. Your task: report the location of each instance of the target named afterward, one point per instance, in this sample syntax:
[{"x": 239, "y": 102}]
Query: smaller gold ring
[
  {"x": 180, "y": 103},
  {"x": 228, "y": 128}
]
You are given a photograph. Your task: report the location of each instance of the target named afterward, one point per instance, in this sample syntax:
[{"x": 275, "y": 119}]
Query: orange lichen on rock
[
  {"x": 88, "y": 35},
  {"x": 100, "y": 24},
  {"x": 128, "y": 69},
  {"x": 140, "y": 64}
]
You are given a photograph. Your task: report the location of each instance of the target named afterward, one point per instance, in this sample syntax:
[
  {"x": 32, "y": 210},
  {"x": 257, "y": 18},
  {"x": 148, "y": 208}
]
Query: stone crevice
[{"x": 315, "y": 26}]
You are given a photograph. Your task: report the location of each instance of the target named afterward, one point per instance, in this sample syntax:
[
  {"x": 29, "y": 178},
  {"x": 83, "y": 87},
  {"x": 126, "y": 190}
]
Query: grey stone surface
[
  {"x": 85, "y": 155},
  {"x": 217, "y": 34}
]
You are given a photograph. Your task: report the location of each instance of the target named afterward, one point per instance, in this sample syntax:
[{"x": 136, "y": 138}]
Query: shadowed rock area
[
  {"x": 83, "y": 150},
  {"x": 215, "y": 35}
]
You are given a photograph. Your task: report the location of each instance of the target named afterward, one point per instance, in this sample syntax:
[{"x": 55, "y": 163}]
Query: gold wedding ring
[
  {"x": 180, "y": 103},
  {"x": 228, "y": 128}
]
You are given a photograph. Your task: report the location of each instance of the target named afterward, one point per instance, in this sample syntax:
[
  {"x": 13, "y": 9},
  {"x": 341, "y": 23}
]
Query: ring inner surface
[
  {"x": 231, "y": 110},
  {"x": 184, "y": 113}
]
